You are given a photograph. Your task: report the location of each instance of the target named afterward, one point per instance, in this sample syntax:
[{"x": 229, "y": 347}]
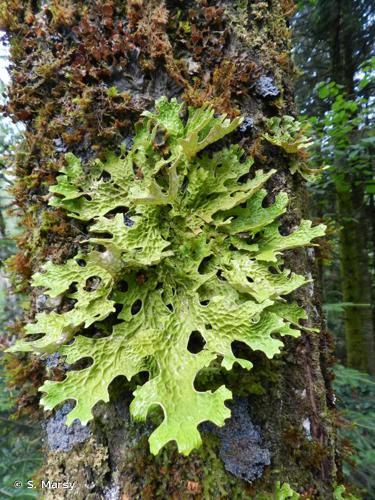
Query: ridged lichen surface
[{"x": 181, "y": 246}]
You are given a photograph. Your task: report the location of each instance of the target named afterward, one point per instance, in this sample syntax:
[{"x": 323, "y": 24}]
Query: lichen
[
  {"x": 291, "y": 135},
  {"x": 172, "y": 245},
  {"x": 219, "y": 51},
  {"x": 287, "y": 133}
]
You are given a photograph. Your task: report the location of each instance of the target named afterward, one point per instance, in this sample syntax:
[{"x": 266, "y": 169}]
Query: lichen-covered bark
[{"x": 234, "y": 55}]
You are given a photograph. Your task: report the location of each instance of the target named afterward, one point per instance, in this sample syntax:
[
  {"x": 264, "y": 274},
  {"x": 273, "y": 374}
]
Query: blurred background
[{"x": 333, "y": 47}]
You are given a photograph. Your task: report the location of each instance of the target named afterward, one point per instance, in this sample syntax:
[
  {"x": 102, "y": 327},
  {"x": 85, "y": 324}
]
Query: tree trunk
[
  {"x": 354, "y": 231},
  {"x": 234, "y": 55},
  {"x": 355, "y": 279}
]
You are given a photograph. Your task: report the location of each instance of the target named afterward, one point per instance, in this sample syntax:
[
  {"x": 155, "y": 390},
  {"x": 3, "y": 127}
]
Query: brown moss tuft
[{"x": 25, "y": 374}]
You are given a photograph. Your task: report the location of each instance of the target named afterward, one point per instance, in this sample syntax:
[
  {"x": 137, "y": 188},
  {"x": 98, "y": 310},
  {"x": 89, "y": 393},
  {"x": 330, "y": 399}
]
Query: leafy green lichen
[
  {"x": 287, "y": 133},
  {"x": 181, "y": 243},
  {"x": 292, "y": 136}
]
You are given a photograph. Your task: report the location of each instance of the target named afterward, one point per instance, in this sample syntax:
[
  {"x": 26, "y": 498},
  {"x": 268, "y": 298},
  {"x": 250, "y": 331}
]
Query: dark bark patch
[
  {"x": 241, "y": 447},
  {"x": 61, "y": 437}
]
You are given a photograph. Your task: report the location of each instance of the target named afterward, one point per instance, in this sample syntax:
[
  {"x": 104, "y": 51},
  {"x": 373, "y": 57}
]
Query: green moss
[{"x": 88, "y": 466}]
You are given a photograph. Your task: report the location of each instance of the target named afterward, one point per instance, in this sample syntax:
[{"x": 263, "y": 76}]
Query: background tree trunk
[
  {"x": 234, "y": 55},
  {"x": 355, "y": 239},
  {"x": 356, "y": 280}
]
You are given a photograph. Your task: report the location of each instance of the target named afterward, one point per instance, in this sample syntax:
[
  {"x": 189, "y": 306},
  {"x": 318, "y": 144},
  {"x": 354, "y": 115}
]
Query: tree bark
[{"x": 236, "y": 56}]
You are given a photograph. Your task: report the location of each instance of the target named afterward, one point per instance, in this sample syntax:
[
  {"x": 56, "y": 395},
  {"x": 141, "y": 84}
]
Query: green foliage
[
  {"x": 19, "y": 447},
  {"x": 344, "y": 136},
  {"x": 320, "y": 56},
  {"x": 171, "y": 245},
  {"x": 356, "y": 399}
]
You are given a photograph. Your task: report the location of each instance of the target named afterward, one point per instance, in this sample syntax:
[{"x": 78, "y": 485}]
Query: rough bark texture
[{"x": 235, "y": 55}]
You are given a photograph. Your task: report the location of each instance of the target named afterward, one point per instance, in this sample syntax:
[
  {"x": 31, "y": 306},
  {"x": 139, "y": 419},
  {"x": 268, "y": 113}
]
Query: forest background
[{"x": 334, "y": 57}]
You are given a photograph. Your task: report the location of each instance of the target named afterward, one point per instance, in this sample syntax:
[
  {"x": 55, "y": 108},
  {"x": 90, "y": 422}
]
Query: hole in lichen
[
  {"x": 118, "y": 210},
  {"x": 241, "y": 350},
  {"x": 141, "y": 377},
  {"x": 118, "y": 309},
  {"x": 208, "y": 327},
  {"x": 123, "y": 286},
  {"x": 105, "y": 176},
  {"x": 73, "y": 288},
  {"x": 196, "y": 342},
  {"x": 81, "y": 364},
  {"x": 92, "y": 283},
  {"x": 160, "y": 138},
  {"x": 81, "y": 262},
  {"x": 170, "y": 307},
  {"x": 266, "y": 202},
  {"x": 136, "y": 307},
  {"x": 273, "y": 270},
  {"x": 244, "y": 178},
  {"x": 87, "y": 197},
  {"x": 106, "y": 236},
  {"x": 249, "y": 279},
  {"x": 33, "y": 337},
  {"x": 104, "y": 328},
  {"x": 204, "y": 302},
  {"x": 100, "y": 248},
  {"x": 137, "y": 169},
  {"x": 184, "y": 115},
  {"x": 67, "y": 305},
  {"x": 210, "y": 378},
  {"x": 220, "y": 276},
  {"x": 204, "y": 265},
  {"x": 184, "y": 185},
  {"x": 284, "y": 230},
  {"x": 119, "y": 388},
  {"x": 159, "y": 286},
  {"x": 253, "y": 239}
]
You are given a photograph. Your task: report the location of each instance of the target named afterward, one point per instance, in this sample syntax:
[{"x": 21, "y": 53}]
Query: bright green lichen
[
  {"x": 287, "y": 133},
  {"x": 285, "y": 491},
  {"x": 291, "y": 135},
  {"x": 172, "y": 244}
]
